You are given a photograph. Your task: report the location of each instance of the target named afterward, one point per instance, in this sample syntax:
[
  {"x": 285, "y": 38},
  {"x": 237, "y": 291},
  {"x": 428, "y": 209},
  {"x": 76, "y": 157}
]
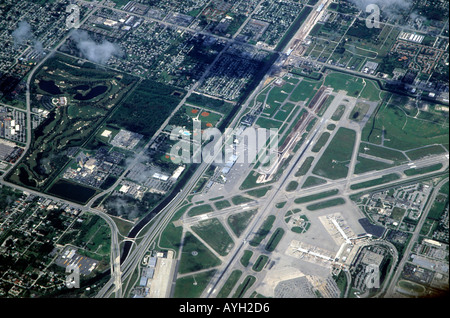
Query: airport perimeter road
[{"x": 391, "y": 290}]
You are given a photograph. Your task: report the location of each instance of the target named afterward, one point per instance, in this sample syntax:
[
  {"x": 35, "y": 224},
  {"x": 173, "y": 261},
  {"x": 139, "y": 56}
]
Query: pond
[
  {"x": 94, "y": 92},
  {"x": 49, "y": 87},
  {"x": 71, "y": 191}
]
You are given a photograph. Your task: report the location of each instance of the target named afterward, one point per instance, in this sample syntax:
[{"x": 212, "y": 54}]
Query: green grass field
[
  {"x": 200, "y": 209},
  {"x": 192, "y": 286},
  {"x": 338, "y": 113},
  {"x": 274, "y": 239},
  {"x": 402, "y": 131},
  {"x": 313, "y": 181},
  {"x": 229, "y": 284},
  {"x": 304, "y": 91},
  {"x": 245, "y": 259},
  {"x": 359, "y": 111},
  {"x": 262, "y": 231},
  {"x": 384, "y": 179},
  {"x": 195, "y": 256},
  {"x": 365, "y": 165},
  {"x": 334, "y": 160},
  {"x": 321, "y": 142},
  {"x": 267, "y": 123},
  {"x": 318, "y": 196},
  {"x": 292, "y": 186},
  {"x": 238, "y": 222},
  {"x": 244, "y": 286},
  {"x": 223, "y": 204},
  {"x": 381, "y": 152},
  {"x": 304, "y": 168},
  {"x": 259, "y": 193},
  {"x": 215, "y": 235},
  {"x": 239, "y": 199},
  {"x": 260, "y": 262},
  {"x": 426, "y": 151},
  {"x": 341, "y": 81},
  {"x": 427, "y": 169},
  {"x": 325, "y": 204}
]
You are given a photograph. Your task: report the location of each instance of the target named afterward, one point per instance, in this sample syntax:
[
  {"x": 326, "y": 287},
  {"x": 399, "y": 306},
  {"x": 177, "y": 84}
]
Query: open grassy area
[
  {"x": 192, "y": 286},
  {"x": 317, "y": 196},
  {"x": 267, "y": 123},
  {"x": 411, "y": 286},
  {"x": 304, "y": 168},
  {"x": 245, "y": 259},
  {"x": 284, "y": 111},
  {"x": 214, "y": 104},
  {"x": 334, "y": 160},
  {"x": 223, "y": 204},
  {"x": 321, "y": 142},
  {"x": 274, "y": 239},
  {"x": 353, "y": 85},
  {"x": 262, "y": 231},
  {"x": 92, "y": 238},
  {"x": 244, "y": 286},
  {"x": 427, "y": 169},
  {"x": 438, "y": 207},
  {"x": 397, "y": 213},
  {"x": 305, "y": 90},
  {"x": 404, "y": 132},
  {"x": 325, "y": 204},
  {"x": 382, "y": 152},
  {"x": 260, "y": 262},
  {"x": 384, "y": 179},
  {"x": 195, "y": 256},
  {"x": 215, "y": 235},
  {"x": 239, "y": 199},
  {"x": 338, "y": 113},
  {"x": 425, "y": 152},
  {"x": 313, "y": 181},
  {"x": 238, "y": 222},
  {"x": 292, "y": 186},
  {"x": 259, "y": 193},
  {"x": 200, "y": 209},
  {"x": 366, "y": 165},
  {"x": 229, "y": 284},
  {"x": 370, "y": 91},
  {"x": 359, "y": 111},
  {"x": 171, "y": 236}
]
